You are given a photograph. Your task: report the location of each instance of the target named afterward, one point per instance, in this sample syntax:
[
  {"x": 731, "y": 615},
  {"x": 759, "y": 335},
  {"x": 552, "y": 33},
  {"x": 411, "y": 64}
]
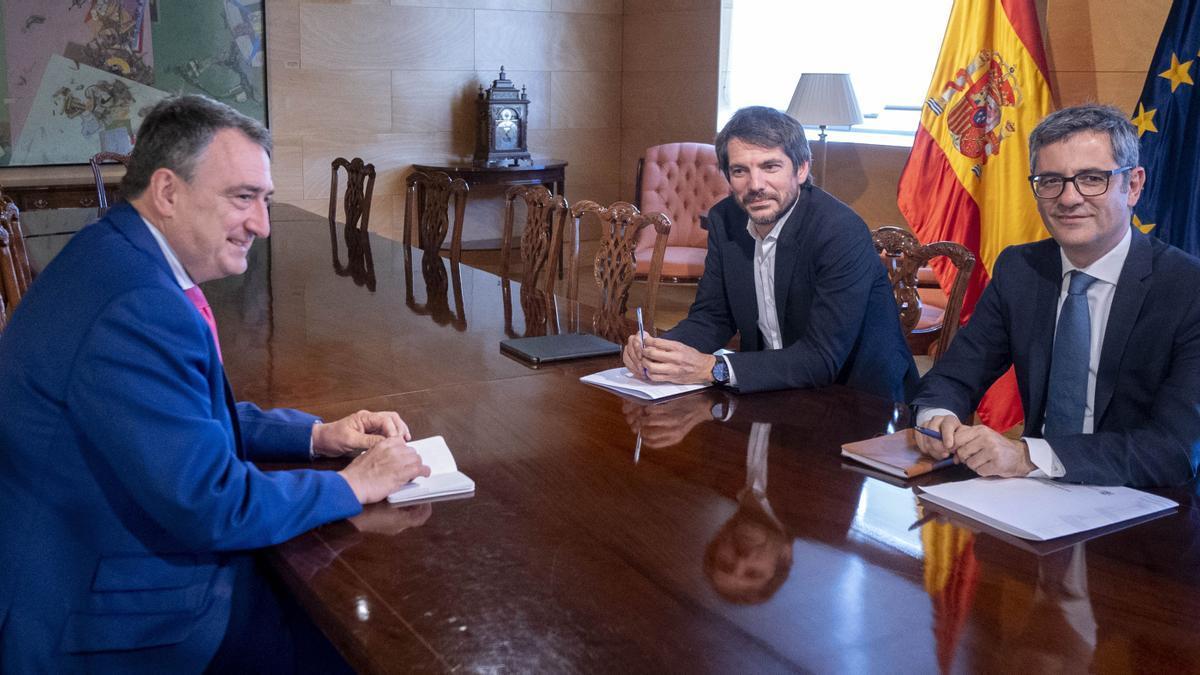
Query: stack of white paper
[
  {"x": 622, "y": 381},
  {"x": 1041, "y": 509}
]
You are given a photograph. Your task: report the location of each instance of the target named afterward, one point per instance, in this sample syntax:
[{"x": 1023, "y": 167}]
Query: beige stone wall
[
  {"x": 396, "y": 84},
  {"x": 669, "y": 69}
]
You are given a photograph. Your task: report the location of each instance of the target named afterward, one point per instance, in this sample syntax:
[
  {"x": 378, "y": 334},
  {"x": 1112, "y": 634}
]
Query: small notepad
[
  {"x": 622, "y": 381},
  {"x": 444, "y": 479}
]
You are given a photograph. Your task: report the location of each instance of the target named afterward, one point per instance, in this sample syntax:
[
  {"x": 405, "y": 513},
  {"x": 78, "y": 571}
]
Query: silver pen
[{"x": 642, "y": 339}]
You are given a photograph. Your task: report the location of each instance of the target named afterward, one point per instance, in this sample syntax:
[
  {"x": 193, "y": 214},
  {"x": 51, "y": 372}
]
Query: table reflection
[
  {"x": 437, "y": 291},
  {"x": 751, "y": 555}
]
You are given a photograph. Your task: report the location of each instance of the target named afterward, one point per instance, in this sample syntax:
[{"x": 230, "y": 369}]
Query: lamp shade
[{"x": 825, "y": 99}]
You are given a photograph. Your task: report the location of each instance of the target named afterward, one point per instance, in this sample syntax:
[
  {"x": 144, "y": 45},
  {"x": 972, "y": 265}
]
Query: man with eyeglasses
[{"x": 1102, "y": 323}]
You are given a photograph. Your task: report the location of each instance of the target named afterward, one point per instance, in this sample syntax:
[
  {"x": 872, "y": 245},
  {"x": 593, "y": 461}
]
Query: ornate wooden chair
[
  {"x": 541, "y": 241},
  {"x": 9, "y": 291},
  {"x": 10, "y": 220},
  {"x": 356, "y": 208},
  {"x": 929, "y": 329},
  {"x": 621, "y": 224},
  {"x": 105, "y": 158},
  {"x": 426, "y": 207}
]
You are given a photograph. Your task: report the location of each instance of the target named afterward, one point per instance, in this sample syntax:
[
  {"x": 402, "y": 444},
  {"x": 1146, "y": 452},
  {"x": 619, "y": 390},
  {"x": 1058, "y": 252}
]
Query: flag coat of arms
[
  {"x": 966, "y": 178},
  {"x": 1167, "y": 117}
]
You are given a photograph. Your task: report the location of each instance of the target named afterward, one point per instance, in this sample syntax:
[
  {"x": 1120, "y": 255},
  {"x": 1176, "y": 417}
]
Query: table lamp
[{"x": 825, "y": 99}]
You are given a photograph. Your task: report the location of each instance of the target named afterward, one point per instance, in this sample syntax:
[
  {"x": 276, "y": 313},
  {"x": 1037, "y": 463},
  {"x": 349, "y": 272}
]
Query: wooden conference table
[{"x": 577, "y": 553}]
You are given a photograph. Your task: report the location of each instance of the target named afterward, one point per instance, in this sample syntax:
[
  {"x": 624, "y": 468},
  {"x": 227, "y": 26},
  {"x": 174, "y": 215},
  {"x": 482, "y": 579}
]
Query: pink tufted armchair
[{"x": 683, "y": 181}]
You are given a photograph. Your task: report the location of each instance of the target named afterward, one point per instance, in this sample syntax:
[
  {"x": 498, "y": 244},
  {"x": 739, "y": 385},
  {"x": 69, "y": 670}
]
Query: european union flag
[{"x": 1168, "y": 122}]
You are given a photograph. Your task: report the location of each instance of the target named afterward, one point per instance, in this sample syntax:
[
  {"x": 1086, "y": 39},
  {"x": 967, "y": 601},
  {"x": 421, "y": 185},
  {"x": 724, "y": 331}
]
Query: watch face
[
  {"x": 507, "y": 132},
  {"x": 720, "y": 372}
]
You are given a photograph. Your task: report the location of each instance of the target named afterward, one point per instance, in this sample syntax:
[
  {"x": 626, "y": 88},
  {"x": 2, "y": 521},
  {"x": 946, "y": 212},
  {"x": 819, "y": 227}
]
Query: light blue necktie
[{"x": 1067, "y": 393}]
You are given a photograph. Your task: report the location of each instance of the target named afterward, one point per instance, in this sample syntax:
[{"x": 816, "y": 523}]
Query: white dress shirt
[
  {"x": 764, "y": 285},
  {"x": 181, "y": 276},
  {"x": 1106, "y": 270}
]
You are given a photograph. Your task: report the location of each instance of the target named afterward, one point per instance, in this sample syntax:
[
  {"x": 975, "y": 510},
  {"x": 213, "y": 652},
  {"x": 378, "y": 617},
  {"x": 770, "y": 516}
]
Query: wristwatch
[{"x": 720, "y": 372}]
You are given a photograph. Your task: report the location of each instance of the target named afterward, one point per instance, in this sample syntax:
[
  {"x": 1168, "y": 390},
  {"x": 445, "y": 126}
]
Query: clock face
[{"x": 508, "y": 133}]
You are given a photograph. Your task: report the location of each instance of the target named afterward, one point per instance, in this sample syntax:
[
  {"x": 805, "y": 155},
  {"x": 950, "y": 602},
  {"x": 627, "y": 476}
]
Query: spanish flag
[{"x": 965, "y": 179}]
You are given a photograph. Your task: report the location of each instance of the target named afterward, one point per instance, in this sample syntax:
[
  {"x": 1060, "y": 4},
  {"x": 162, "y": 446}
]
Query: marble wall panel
[
  {"x": 587, "y": 6},
  {"x": 337, "y": 101},
  {"x": 548, "y": 41},
  {"x": 585, "y": 100},
  {"x": 684, "y": 102},
  {"x": 353, "y": 36},
  {"x": 667, "y": 41},
  {"x": 1121, "y": 89},
  {"x": 1103, "y": 36},
  {"x": 659, "y": 6}
]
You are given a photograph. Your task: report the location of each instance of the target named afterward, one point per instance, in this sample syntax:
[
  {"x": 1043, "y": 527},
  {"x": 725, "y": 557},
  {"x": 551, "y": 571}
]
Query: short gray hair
[
  {"x": 1106, "y": 119},
  {"x": 766, "y": 128},
  {"x": 176, "y": 132}
]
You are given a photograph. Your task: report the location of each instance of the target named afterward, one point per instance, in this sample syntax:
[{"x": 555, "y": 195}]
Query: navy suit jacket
[
  {"x": 1147, "y": 401},
  {"x": 128, "y": 502},
  {"x": 837, "y": 314}
]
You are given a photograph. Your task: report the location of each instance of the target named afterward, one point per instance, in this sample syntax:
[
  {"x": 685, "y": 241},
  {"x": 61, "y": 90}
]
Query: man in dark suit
[
  {"x": 129, "y": 502},
  {"x": 792, "y": 271},
  {"x": 1101, "y": 321}
]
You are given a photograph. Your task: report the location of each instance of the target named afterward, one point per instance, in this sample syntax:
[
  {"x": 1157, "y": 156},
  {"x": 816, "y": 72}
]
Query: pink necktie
[{"x": 197, "y": 297}]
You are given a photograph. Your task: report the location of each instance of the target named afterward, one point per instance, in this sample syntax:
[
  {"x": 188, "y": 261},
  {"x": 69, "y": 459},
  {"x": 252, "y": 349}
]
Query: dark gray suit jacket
[
  {"x": 837, "y": 314},
  {"x": 1147, "y": 405}
]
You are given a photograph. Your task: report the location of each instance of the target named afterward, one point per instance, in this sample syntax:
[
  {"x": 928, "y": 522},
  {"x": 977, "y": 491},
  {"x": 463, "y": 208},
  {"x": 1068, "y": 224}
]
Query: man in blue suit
[
  {"x": 792, "y": 271},
  {"x": 1101, "y": 322},
  {"x": 129, "y": 501}
]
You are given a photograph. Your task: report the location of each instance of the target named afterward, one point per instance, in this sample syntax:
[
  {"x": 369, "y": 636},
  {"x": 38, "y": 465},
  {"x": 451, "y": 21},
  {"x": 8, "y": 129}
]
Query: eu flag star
[
  {"x": 1177, "y": 73},
  {"x": 1144, "y": 120},
  {"x": 1144, "y": 227}
]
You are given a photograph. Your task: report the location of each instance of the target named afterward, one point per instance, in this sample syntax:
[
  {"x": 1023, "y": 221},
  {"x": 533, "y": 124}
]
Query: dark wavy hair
[{"x": 767, "y": 128}]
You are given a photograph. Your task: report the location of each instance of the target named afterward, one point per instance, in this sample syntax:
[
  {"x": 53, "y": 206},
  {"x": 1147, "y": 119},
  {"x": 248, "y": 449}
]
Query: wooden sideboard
[{"x": 67, "y": 195}]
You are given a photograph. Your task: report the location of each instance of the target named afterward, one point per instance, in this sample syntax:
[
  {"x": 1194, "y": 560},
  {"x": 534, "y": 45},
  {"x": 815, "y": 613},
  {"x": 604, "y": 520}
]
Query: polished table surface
[{"x": 579, "y": 553}]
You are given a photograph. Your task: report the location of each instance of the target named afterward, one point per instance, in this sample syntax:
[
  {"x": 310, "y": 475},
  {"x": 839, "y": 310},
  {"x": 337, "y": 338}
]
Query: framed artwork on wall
[{"x": 78, "y": 76}]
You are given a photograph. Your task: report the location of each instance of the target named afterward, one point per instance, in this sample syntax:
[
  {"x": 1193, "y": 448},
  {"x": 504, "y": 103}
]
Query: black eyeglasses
[{"x": 1087, "y": 183}]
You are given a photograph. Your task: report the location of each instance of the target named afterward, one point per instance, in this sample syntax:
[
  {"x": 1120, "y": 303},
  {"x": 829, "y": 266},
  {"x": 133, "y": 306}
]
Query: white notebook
[
  {"x": 1041, "y": 509},
  {"x": 444, "y": 477},
  {"x": 622, "y": 381}
]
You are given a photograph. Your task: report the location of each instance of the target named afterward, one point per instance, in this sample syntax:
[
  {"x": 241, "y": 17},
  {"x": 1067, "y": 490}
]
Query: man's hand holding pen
[
  {"x": 983, "y": 450},
  {"x": 662, "y": 360}
]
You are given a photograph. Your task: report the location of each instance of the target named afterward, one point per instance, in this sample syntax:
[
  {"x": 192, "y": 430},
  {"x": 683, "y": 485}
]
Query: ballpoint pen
[
  {"x": 928, "y": 432},
  {"x": 943, "y": 462},
  {"x": 637, "y": 449},
  {"x": 642, "y": 339}
]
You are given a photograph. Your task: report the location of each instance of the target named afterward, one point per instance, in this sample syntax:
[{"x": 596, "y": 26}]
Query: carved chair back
[
  {"x": 9, "y": 291},
  {"x": 426, "y": 206},
  {"x": 356, "y": 209},
  {"x": 10, "y": 220},
  {"x": 615, "y": 263},
  {"x": 105, "y": 158},
  {"x": 541, "y": 241},
  {"x": 903, "y": 256}
]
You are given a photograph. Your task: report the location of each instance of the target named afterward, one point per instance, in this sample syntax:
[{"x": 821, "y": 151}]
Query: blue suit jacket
[
  {"x": 127, "y": 498},
  {"x": 837, "y": 314},
  {"x": 1147, "y": 402}
]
